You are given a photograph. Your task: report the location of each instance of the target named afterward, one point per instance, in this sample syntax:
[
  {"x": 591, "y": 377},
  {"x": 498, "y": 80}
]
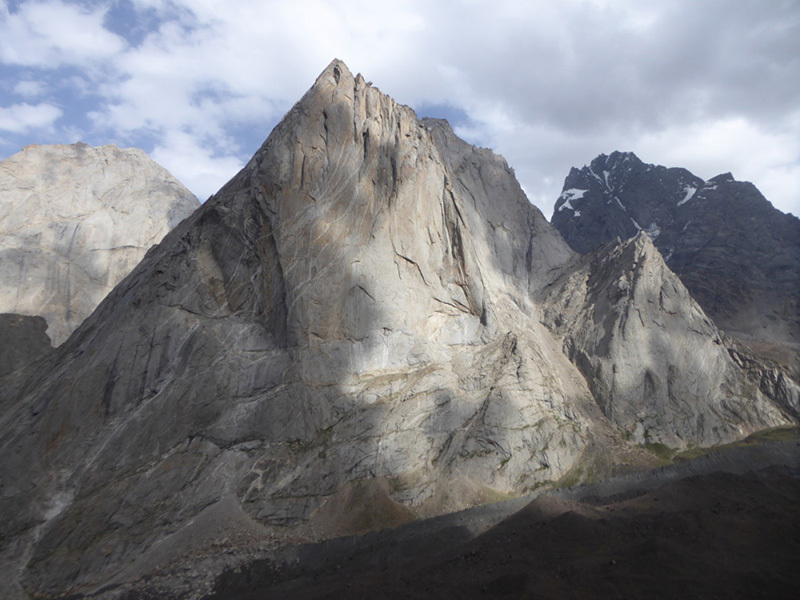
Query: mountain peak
[
  {"x": 335, "y": 71},
  {"x": 614, "y": 161},
  {"x": 358, "y": 249},
  {"x": 334, "y": 84},
  {"x": 723, "y": 178}
]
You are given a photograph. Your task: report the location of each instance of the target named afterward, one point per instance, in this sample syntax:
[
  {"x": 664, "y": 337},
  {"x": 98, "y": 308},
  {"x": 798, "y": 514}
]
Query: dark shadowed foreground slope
[{"x": 692, "y": 531}]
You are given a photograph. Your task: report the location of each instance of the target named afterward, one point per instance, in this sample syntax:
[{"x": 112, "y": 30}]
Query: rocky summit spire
[{"x": 360, "y": 308}]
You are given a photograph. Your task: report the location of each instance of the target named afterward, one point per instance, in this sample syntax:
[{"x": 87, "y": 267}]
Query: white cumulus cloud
[
  {"x": 29, "y": 88},
  {"x": 51, "y": 33},
  {"x": 20, "y": 118},
  {"x": 194, "y": 164}
]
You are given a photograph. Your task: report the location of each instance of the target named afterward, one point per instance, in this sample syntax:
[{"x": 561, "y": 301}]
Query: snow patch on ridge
[
  {"x": 568, "y": 196},
  {"x": 690, "y": 192},
  {"x": 653, "y": 231}
]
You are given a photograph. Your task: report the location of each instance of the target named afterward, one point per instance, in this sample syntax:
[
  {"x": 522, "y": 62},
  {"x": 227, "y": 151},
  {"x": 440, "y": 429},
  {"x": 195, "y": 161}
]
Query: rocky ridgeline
[
  {"x": 656, "y": 364},
  {"x": 74, "y": 221},
  {"x": 738, "y": 256},
  {"x": 368, "y": 324}
]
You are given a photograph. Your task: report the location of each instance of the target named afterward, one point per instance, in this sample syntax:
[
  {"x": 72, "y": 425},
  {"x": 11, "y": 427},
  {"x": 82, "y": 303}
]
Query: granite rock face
[
  {"x": 656, "y": 364},
  {"x": 738, "y": 255},
  {"x": 75, "y": 220},
  {"x": 370, "y": 309}
]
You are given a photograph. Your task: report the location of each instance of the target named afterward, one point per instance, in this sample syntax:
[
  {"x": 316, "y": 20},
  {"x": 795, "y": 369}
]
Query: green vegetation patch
[
  {"x": 579, "y": 473},
  {"x": 776, "y": 434},
  {"x": 663, "y": 452}
]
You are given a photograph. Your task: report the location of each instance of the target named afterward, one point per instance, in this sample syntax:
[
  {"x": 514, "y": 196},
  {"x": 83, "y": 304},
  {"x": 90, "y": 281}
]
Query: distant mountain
[
  {"x": 369, "y": 324},
  {"x": 738, "y": 255},
  {"x": 74, "y": 221}
]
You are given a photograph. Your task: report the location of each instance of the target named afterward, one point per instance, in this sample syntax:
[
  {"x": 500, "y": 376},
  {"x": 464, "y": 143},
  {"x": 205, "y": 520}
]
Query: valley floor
[{"x": 724, "y": 525}]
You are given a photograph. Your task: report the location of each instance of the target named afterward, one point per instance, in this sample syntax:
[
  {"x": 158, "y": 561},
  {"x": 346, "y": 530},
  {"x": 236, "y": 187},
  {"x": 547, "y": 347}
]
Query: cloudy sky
[{"x": 710, "y": 85}]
